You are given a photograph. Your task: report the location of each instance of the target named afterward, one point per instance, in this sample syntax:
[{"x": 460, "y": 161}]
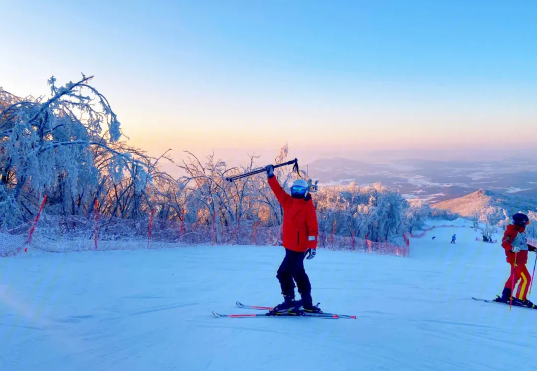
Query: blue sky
[{"x": 340, "y": 75}]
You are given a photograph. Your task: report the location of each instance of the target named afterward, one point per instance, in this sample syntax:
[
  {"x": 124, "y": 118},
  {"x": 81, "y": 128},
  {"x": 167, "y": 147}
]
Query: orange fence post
[
  {"x": 214, "y": 226},
  {"x": 35, "y": 221},
  {"x": 96, "y": 212},
  {"x": 182, "y": 225},
  {"x": 236, "y": 231},
  {"x": 150, "y": 226},
  {"x": 255, "y": 230},
  {"x": 333, "y": 231}
]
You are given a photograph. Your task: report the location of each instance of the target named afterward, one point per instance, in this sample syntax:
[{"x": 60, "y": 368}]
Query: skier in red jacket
[
  {"x": 516, "y": 250},
  {"x": 300, "y": 234}
]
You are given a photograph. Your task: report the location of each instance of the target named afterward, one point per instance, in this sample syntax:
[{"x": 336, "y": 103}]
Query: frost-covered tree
[
  {"x": 505, "y": 220},
  {"x": 373, "y": 211},
  {"x": 48, "y": 146},
  {"x": 417, "y": 213},
  {"x": 531, "y": 229},
  {"x": 491, "y": 215}
]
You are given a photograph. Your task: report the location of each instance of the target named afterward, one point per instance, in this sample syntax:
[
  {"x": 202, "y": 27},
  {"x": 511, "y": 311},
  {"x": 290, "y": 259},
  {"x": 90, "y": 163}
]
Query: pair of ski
[
  {"x": 270, "y": 313},
  {"x": 501, "y": 302}
]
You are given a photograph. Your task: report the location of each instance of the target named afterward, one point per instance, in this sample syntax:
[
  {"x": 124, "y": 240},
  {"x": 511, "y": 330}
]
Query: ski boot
[
  {"x": 308, "y": 306},
  {"x": 527, "y": 303},
  {"x": 289, "y": 304},
  {"x": 506, "y": 296},
  {"x": 312, "y": 309},
  {"x": 516, "y": 302}
]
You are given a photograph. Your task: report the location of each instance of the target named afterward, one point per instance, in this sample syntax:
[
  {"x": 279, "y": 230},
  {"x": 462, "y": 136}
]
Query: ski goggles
[{"x": 299, "y": 190}]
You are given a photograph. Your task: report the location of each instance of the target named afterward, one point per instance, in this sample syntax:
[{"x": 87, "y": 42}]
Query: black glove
[
  {"x": 310, "y": 253},
  {"x": 270, "y": 171}
]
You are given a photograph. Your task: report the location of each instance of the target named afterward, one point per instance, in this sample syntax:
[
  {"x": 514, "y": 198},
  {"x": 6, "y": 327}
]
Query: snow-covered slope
[{"x": 151, "y": 310}]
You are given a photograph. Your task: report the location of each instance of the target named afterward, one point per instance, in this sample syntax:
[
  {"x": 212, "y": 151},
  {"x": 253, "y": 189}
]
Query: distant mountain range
[
  {"x": 469, "y": 204},
  {"x": 432, "y": 181}
]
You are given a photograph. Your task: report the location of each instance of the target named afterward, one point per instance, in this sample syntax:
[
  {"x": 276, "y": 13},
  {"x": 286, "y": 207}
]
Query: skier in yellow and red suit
[{"x": 516, "y": 248}]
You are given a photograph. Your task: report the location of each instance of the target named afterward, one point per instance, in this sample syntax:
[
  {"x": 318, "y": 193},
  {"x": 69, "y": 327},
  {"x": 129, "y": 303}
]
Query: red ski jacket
[
  {"x": 516, "y": 234},
  {"x": 300, "y": 228}
]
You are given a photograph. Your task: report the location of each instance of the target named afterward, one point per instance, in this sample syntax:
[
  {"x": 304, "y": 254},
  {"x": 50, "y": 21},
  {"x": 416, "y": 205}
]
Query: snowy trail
[{"x": 151, "y": 310}]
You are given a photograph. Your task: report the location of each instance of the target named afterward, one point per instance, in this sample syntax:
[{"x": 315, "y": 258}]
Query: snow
[
  {"x": 427, "y": 198},
  {"x": 459, "y": 222},
  {"x": 151, "y": 310},
  {"x": 341, "y": 182},
  {"x": 515, "y": 189}
]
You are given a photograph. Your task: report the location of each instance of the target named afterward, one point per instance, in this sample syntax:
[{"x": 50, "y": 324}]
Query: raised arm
[{"x": 277, "y": 189}]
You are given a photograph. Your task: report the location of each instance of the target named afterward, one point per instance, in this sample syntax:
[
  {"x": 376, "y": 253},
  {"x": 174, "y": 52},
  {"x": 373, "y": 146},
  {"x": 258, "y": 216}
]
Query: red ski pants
[{"x": 521, "y": 273}]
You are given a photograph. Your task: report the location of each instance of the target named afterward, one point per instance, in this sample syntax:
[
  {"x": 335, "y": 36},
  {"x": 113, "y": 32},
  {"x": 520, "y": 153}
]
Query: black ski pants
[{"x": 292, "y": 268}]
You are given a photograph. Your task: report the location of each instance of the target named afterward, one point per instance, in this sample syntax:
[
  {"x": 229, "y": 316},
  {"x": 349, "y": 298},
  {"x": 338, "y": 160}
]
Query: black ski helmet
[{"x": 521, "y": 220}]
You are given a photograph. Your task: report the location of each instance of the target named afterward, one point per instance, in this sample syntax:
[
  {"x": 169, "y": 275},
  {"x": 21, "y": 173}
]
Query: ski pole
[
  {"x": 262, "y": 170},
  {"x": 533, "y": 274},
  {"x": 512, "y": 284}
]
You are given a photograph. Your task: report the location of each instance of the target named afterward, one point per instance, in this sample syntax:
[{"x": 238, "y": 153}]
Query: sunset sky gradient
[{"x": 332, "y": 76}]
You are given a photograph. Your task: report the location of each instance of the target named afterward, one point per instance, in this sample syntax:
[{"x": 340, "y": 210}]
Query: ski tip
[
  {"x": 239, "y": 304},
  {"x": 216, "y": 314},
  {"x": 485, "y": 300}
]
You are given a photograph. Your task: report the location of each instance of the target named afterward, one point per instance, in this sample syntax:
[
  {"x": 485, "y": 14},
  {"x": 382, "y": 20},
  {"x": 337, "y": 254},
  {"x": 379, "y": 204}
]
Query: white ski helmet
[{"x": 299, "y": 188}]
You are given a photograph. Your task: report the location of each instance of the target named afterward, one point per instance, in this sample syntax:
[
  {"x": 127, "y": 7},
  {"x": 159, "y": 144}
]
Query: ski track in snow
[{"x": 151, "y": 310}]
